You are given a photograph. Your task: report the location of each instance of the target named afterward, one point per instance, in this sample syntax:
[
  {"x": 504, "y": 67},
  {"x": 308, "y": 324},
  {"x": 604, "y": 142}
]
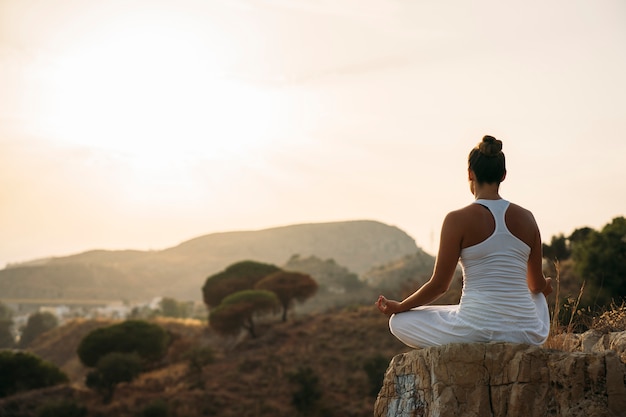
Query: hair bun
[{"x": 490, "y": 146}]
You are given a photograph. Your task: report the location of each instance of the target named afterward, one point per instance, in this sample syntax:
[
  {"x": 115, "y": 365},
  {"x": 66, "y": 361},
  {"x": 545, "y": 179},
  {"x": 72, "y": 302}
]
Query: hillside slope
[
  {"x": 180, "y": 271},
  {"x": 250, "y": 377}
]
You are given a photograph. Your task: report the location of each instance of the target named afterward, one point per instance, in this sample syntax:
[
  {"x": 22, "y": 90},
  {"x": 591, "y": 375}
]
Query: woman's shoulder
[
  {"x": 473, "y": 209},
  {"x": 464, "y": 215},
  {"x": 521, "y": 223},
  {"x": 516, "y": 209},
  {"x": 462, "y": 212}
]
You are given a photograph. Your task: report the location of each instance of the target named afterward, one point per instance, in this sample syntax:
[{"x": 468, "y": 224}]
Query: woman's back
[
  {"x": 480, "y": 224},
  {"x": 495, "y": 294}
]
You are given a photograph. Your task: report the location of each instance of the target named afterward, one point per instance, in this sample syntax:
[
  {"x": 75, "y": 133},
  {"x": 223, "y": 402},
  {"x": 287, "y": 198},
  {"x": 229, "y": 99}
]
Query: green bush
[
  {"x": 600, "y": 259},
  {"x": 6, "y": 337},
  {"x": 237, "y": 311},
  {"x": 23, "y": 371},
  {"x": 148, "y": 340},
  {"x": 199, "y": 357},
  {"x": 237, "y": 277},
  {"x": 375, "y": 368},
  {"x": 113, "y": 368},
  {"x": 38, "y": 323},
  {"x": 307, "y": 397},
  {"x": 171, "y": 307}
]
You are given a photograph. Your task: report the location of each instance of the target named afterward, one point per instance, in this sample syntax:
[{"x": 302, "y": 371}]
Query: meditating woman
[{"x": 499, "y": 247}]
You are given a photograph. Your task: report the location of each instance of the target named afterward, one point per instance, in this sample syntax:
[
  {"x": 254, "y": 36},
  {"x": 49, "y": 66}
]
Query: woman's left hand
[{"x": 387, "y": 306}]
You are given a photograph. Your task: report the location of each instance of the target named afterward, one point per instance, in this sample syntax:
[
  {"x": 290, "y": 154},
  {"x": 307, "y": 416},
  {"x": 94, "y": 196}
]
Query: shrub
[
  {"x": 148, "y": 340},
  {"x": 38, "y": 323},
  {"x": 6, "y": 337},
  {"x": 306, "y": 398},
  {"x": 237, "y": 277},
  {"x": 199, "y": 357},
  {"x": 113, "y": 368},
  {"x": 375, "y": 368},
  {"x": 238, "y": 310},
  {"x": 613, "y": 319},
  {"x": 23, "y": 371}
]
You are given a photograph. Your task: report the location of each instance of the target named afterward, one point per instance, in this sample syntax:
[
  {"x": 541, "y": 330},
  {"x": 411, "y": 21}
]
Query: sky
[{"x": 139, "y": 124}]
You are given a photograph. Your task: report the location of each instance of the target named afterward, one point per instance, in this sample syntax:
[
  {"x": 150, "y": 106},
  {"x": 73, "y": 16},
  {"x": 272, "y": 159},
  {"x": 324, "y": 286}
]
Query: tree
[
  {"x": 237, "y": 311},
  {"x": 557, "y": 249},
  {"x": 579, "y": 235},
  {"x": 24, "y": 371},
  {"x": 600, "y": 258},
  {"x": 111, "y": 369},
  {"x": 237, "y": 277},
  {"x": 6, "y": 337},
  {"x": 174, "y": 308},
  {"x": 5, "y": 312},
  {"x": 288, "y": 286},
  {"x": 197, "y": 358},
  {"x": 38, "y": 323},
  {"x": 148, "y": 340},
  {"x": 7, "y": 341}
]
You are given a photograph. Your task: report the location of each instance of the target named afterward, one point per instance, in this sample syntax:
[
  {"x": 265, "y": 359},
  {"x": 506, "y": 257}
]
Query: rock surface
[
  {"x": 594, "y": 341},
  {"x": 504, "y": 380}
]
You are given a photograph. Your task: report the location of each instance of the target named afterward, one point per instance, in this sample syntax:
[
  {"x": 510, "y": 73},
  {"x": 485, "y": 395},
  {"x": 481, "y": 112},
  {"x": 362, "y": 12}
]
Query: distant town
[{"x": 66, "y": 310}]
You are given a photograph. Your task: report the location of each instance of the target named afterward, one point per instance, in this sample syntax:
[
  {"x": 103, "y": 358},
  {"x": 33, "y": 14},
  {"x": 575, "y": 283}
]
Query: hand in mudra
[
  {"x": 387, "y": 306},
  {"x": 548, "y": 288}
]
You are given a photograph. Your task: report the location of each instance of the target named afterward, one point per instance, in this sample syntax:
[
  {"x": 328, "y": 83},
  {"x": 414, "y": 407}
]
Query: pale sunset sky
[{"x": 138, "y": 124}]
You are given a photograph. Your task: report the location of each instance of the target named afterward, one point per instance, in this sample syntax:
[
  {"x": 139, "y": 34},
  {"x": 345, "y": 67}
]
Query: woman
[{"x": 499, "y": 246}]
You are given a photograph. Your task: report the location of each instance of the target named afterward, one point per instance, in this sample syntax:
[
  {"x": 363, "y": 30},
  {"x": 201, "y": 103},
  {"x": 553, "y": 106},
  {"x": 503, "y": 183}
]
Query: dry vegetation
[
  {"x": 569, "y": 318},
  {"x": 249, "y": 377}
]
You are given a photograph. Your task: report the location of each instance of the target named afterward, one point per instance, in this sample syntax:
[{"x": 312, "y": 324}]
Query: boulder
[{"x": 503, "y": 380}]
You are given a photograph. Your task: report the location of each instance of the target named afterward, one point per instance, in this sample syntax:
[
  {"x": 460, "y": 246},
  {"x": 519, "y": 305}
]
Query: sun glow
[{"x": 152, "y": 92}]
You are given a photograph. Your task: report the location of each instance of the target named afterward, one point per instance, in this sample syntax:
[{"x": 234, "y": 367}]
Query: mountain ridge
[{"x": 180, "y": 270}]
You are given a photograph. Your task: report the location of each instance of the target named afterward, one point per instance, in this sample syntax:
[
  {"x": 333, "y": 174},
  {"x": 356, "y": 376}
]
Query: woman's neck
[{"x": 486, "y": 191}]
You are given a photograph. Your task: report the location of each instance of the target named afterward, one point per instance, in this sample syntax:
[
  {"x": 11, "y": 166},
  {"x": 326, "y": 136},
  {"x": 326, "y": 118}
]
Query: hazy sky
[{"x": 141, "y": 124}]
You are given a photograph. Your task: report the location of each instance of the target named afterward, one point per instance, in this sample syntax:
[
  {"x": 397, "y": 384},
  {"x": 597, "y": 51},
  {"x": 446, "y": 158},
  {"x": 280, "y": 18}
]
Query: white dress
[{"x": 495, "y": 305}]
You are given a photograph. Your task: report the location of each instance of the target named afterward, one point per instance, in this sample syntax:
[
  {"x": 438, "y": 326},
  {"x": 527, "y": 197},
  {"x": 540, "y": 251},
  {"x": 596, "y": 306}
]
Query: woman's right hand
[{"x": 548, "y": 288}]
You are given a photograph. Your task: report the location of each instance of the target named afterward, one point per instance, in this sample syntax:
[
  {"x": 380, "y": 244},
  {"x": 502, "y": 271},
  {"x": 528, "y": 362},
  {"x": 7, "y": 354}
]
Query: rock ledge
[{"x": 502, "y": 380}]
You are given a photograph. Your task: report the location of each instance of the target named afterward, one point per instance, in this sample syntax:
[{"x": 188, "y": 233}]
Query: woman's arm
[
  {"x": 445, "y": 265},
  {"x": 537, "y": 283}
]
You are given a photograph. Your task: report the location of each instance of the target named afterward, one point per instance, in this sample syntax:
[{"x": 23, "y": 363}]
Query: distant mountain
[
  {"x": 401, "y": 277},
  {"x": 180, "y": 271},
  {"x": 337, "y": 286}
]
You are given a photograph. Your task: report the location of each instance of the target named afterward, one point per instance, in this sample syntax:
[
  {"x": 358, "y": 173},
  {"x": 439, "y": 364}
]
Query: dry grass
[
  {"x": 250, "y": 377},
  {"x": 611, "y": 320},
  {"x": 569, "y": 318}
]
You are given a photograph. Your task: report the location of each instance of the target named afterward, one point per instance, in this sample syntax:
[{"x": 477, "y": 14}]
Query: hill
[
  {"x": 249, "y": 377},
  {"x": 180, "y": 271},
  {"x": 342, "y": 353}
]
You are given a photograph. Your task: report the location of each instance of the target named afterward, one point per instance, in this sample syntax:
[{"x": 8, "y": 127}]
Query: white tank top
[{"x": 495, "y": 291}]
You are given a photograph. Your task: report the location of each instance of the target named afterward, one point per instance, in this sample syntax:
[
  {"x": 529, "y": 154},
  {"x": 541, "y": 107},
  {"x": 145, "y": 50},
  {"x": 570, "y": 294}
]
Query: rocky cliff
[{"x": 508, "y": 380}]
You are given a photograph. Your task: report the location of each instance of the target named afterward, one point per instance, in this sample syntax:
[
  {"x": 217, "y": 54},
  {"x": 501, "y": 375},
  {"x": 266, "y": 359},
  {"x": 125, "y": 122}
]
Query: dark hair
[{"x": 487, "y": 161}]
